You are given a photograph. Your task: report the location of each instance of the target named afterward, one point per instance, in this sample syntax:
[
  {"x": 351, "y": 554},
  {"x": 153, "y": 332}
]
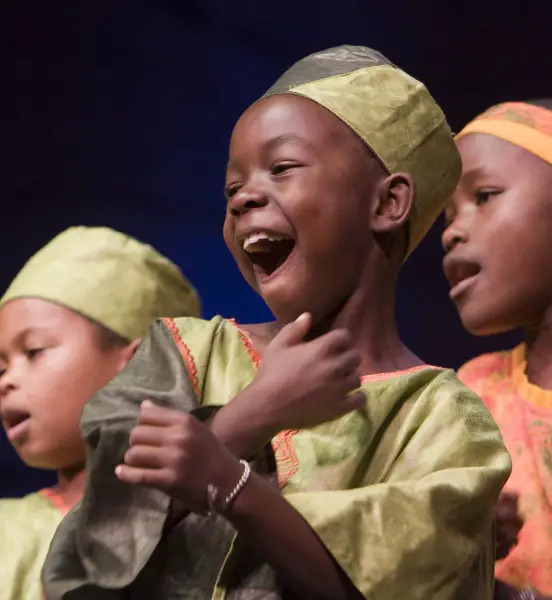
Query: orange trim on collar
[
  {"x": 55, "y": 499},
  {"x": 380, "y": 376}
]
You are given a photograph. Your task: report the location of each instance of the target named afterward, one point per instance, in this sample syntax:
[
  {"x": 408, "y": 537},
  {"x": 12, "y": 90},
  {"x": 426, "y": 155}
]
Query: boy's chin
[
  {"x": 41, "y": 458},
  {"x": 477, "y": 325}
]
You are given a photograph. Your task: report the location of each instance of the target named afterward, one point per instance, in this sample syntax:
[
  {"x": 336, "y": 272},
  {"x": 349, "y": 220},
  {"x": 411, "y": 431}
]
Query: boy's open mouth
[
  {"x": 267, "y": 252},
  {"x": 460, "y": 274},
  {"x": 15, "y": 423}
]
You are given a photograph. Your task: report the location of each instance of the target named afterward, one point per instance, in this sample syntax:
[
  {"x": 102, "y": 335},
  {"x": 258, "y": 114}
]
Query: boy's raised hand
[
  {"x": 302, "y": 384},
  {"x": 299, "y": 385}
]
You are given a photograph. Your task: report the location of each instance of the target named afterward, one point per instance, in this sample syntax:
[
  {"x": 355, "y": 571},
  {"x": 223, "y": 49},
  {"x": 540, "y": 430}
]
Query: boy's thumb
[{"x": 294, "y": 332}]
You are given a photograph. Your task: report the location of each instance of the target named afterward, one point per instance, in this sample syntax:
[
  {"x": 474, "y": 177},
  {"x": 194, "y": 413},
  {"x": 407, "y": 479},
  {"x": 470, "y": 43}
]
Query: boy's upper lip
[
  {"x": 244, "y": 231},
  {"x": 458, "y": 267}
]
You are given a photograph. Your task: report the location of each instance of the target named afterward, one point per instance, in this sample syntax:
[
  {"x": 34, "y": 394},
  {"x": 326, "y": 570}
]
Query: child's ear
[
  {"x": 127, "y": 352},
  {"x": 394, "y": 201}
]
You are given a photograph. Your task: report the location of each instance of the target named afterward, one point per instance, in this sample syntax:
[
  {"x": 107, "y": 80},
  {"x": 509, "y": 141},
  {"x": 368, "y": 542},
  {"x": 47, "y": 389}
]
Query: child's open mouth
[
  {"x": 267, "y": 251},
  {"x": 16, "y": 423}
]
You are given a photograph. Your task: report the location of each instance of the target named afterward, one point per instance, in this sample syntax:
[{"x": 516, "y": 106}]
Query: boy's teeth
[{"x": 256, "y": 242}]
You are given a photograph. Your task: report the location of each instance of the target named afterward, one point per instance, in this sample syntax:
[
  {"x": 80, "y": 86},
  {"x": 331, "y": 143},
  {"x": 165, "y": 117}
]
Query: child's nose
[
  {"x": 453, "y": 235},
  {"x": 247, "y": 199}
]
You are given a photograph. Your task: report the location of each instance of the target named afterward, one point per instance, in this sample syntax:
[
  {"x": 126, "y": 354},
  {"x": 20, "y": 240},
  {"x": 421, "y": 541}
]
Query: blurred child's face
[
  {"x": 299, "y": 186},
  {"x": 499, "y": 236},
  {"x": 51, "y": 362}
]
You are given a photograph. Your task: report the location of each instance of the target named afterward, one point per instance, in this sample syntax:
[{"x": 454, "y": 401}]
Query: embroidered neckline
[
  {"x": 185, "y": 353},
  {"x": 282, "y": 444},
  {"x": 55, "y": 500},
  {"x": 256, "y": 358}
]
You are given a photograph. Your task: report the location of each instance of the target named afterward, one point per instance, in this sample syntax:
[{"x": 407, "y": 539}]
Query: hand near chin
[
  {"x": 303, "y": 384},
  {"x": 174, "y": 452}
]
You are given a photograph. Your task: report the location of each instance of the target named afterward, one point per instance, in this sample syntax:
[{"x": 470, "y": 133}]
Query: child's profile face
[
  {"x": 298, "y": 186},
  {"x": 499, "y": 236},
  {"x": 51, "y": 362}
]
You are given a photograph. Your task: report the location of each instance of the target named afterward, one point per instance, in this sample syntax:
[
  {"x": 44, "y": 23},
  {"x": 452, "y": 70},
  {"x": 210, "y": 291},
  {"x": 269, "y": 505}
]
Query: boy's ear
[
  {"x": 393, "y": 205},
  {"x": 127, "y": 352}
]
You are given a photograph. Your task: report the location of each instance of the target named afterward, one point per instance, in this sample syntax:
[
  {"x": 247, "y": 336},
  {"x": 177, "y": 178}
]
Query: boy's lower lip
[
  {"x": 457, "y": 290},
  {"x": 18, "y": 431}
]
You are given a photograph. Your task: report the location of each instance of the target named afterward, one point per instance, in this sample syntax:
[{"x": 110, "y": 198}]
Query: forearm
[
  {"x": 287, "y": 542},
  {"x": 240, "y": 429}
]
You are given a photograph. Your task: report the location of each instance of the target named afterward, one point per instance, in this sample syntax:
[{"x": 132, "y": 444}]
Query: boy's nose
[
  {"x": 245, "y": 200},
  {"x": 453, "y": 235}
]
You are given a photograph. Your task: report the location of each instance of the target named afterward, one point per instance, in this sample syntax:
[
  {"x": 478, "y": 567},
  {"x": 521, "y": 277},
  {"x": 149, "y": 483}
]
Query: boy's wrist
[{"x": 242, "y": 426}]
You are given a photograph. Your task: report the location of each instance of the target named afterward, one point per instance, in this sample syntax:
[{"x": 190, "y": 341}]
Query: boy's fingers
[
  {"x": 154, "y": 478},
  {"x": 350, "y": 362},
  {"x": 356, "y": 400},
  {"x": 159, "y": 416},
  {"x": 294, "y": 332},
  {"x": 146, "y": 457},
  {"x": 147, "y": 435}
]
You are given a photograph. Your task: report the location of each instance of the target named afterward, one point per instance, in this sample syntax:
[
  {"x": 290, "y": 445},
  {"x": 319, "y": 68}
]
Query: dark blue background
[{"x": 119, "y": 114}]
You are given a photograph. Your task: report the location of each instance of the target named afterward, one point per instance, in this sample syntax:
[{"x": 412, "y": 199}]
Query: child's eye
[
  {"x": 34, "y": 352},
  {"x": 231, "y": 190},
  {"x": 483, "y": 195},
  {"x": 282, "y": 167}
]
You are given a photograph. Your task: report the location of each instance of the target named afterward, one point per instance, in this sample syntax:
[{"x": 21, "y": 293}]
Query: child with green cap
[
  {"x": 315, "y": 456},
  {"x": 69, "y": 322}
]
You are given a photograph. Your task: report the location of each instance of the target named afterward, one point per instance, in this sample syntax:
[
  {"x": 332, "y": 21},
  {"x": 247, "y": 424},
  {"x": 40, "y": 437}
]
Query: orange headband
[{"x": 524, "y": 125}]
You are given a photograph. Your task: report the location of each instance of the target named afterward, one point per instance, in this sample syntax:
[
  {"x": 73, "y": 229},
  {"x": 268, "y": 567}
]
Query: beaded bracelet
[{"x": 213, "y": 492}]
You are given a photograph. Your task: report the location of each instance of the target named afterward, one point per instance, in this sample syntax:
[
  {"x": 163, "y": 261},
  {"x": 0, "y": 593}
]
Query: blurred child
[{"x": 69, "y": 322}]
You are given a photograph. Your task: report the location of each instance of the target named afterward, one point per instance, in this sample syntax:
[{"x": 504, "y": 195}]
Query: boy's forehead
[
  {"x": 287, "y": 118},
  {"x": 21, "y": 315},
  {"x": 483, "y": 153}
]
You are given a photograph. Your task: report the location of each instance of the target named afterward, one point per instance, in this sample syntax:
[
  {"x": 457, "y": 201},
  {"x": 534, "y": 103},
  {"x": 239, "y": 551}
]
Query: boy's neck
[
  {"x": 370, "y": 319},
  {"x": 538, "y": 342},
  {"x": 70, "y": 486},
  {"x": 369, "y": 316}
]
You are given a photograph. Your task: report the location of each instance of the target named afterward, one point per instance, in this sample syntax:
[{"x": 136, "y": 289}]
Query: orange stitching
[
  {"x": 286, "y": 459},
  {"x": 55, "y": 499},
  {"x": 185, "y": 353},
  {"x": 246, "y": 340},
  {"x": 379, "y": 376}
]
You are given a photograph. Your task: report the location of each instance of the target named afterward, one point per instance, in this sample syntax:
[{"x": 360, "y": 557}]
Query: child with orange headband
[{"x": 498, "y": 261}]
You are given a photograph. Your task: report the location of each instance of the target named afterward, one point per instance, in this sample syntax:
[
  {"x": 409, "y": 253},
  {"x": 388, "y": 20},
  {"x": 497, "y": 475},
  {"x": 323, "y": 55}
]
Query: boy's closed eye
[
  {"x": 34, "y": 352},
  {"x": 483, "y": 195},
  {"x": 281, "y": 167}
]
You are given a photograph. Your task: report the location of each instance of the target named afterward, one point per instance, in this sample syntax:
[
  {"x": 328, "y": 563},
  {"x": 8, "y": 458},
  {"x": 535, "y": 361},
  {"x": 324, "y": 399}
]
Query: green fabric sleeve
[{"x": 426, "y": 530}]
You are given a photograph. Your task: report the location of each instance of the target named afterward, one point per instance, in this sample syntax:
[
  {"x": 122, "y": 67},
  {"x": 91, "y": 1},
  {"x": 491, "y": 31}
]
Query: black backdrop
[{"x": 119, "y": 114}]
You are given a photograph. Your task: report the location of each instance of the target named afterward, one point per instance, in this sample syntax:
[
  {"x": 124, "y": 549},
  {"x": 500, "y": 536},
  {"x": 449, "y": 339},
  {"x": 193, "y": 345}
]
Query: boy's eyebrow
[
  {"x": 21, "y": 335},
  {"x": 274, "y": 142},
  {"x": 475, "y": 172},
  {"x": 284, "y": 138},
  {"x": 18, "y": 338}
]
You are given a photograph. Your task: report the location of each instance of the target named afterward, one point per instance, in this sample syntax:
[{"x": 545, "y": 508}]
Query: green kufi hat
[
  {"x": 108, "y": 277},
  {"x": 392, "y": 112}
]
